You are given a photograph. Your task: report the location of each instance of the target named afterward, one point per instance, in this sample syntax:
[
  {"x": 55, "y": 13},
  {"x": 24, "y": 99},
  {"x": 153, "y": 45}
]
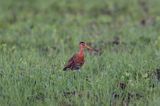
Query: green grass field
[{"x": 37, "y": 37}]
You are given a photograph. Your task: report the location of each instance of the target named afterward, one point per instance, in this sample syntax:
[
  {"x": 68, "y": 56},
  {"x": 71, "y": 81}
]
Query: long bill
[{"x": 88, "y": 47}]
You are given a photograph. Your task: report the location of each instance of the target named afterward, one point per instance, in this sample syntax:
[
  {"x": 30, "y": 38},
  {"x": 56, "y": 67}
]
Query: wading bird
[{"x": 77, "y": 60}]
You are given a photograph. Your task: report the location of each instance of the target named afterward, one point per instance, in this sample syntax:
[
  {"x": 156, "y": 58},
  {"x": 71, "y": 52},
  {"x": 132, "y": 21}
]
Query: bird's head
[{"x": 84, "y": 45}]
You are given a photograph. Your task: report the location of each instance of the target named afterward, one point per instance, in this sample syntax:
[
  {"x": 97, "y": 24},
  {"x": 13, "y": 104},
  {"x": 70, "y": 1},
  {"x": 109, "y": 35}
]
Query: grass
[{"x": 37, "y": 37}]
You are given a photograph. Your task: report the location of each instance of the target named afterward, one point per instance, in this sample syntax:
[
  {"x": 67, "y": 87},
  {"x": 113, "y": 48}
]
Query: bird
[{"x": 77, "y": 60}]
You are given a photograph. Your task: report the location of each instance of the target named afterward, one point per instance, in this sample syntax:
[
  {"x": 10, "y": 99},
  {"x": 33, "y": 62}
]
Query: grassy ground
[{"x": 38, "y": 36}]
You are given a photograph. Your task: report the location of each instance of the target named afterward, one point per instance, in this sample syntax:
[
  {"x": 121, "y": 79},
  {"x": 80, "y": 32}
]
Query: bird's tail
[{"x": 65, "y": 69}]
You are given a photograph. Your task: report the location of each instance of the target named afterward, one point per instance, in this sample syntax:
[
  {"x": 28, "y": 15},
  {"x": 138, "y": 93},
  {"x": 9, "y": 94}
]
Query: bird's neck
[{"x": 81, "y": 52}]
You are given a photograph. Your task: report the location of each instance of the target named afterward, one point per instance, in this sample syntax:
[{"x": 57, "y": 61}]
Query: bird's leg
[
  {"x": 74, "y": 76},
  {"x": 79, "y": 70}
]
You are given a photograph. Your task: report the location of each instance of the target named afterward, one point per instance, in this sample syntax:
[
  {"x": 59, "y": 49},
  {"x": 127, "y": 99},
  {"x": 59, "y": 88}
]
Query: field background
[{"x": 38, "y": 36}]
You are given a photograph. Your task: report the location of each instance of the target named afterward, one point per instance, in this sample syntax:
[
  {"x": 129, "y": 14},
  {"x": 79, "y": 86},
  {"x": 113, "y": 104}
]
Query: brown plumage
[{"x": 77, "y": 60}]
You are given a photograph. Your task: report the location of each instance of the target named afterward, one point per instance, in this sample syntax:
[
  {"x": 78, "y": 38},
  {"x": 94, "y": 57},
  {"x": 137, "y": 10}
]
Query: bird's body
[
  {"x": 74, "y": 63},
  {"x": 77, "y": 60}
]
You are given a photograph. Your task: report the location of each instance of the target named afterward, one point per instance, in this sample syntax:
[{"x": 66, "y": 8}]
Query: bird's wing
[{"x": 70, "y": 62}]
